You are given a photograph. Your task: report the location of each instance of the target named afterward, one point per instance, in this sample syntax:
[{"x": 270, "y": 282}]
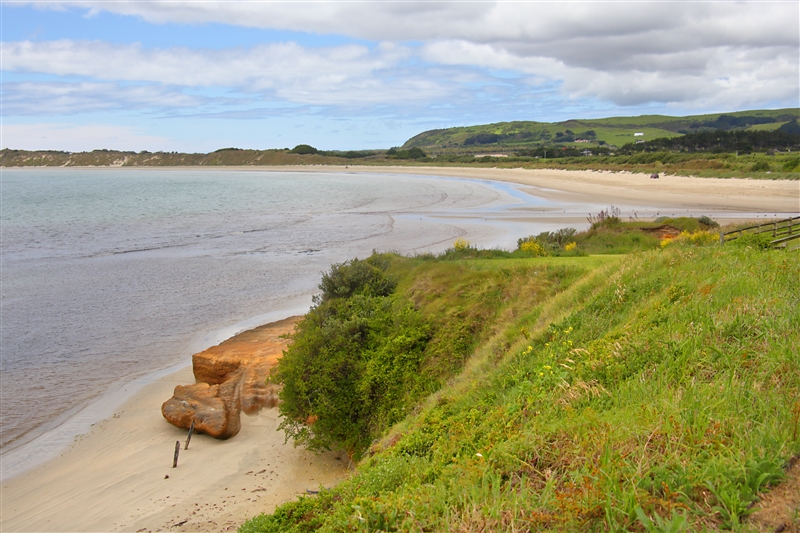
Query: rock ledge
[{"x": 230, "y": 378}]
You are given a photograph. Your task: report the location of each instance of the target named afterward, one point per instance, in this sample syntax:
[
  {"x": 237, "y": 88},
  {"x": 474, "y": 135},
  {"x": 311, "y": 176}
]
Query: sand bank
[
  {"x": 115, "y": 477},
  {"x": 587, "y": 186}
]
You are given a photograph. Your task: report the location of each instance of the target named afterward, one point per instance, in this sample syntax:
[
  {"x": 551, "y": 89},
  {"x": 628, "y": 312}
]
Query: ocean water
[{"x": 109, "y": 275}]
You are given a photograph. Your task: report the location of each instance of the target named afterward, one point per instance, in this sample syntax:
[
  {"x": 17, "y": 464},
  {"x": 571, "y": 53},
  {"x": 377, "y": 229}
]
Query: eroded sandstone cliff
[{"x": 231, "y": 378}]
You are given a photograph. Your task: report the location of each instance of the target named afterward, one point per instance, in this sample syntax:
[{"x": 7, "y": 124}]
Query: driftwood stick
[
  {"x": 191, "y": 429},
  {"x": 177, "y": 451}
]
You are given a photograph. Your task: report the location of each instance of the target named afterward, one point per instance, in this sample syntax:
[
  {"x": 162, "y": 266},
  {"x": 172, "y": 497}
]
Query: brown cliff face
[{"x": 231, "y": 378}]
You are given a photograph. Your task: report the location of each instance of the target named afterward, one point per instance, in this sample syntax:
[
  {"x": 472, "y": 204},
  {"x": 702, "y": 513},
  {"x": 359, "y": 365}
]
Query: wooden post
[
  {"x": 177, "y": 451},
  {"x": 191, "y": 428}
]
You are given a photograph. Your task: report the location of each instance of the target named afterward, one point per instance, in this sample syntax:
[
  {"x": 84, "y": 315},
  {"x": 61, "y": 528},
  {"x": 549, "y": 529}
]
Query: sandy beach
[
  {"x": 594, "y": 186},
  {"x": 681, "y": 192},
  {"x": 119, "y": 476}
]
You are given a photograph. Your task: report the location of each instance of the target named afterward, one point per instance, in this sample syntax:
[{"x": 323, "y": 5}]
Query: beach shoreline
[
  {"x": 119, "y": 476},
  {"x": 766, "y": 197},
  {"x": 777, "y": 196},
  {"x": 114, "y": 477}
]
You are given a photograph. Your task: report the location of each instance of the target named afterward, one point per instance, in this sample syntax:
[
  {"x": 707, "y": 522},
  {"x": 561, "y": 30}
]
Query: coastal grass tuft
[{"x": 656, "y": 391}]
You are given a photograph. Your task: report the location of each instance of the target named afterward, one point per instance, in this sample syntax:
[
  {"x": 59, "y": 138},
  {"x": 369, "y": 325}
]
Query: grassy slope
[
  {"x": 613, "y": 130},
  {"x": 659, "y": 387}
]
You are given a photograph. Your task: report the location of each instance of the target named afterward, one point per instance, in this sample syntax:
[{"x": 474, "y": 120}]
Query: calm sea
[{"x": 109, "y": 275}]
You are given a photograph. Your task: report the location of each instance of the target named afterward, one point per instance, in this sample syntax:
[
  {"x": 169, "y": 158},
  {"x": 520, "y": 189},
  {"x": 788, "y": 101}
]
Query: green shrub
[
  {"x": 697, "y": 238},
  {"x": 606, "y": 218},
  {"x": 343, "y": 376},
  {"x": 385, "y": 332},
  {"x": 708, "y": 221},
  {"x": 303, "y": 149},
  {"x": 758, "y": 241},
  {"x": 357, "y": 276},
  {"x": 461, "y": 245},
  {"x": 791, "y": 164},
  {"x": 532, "y": 246}
]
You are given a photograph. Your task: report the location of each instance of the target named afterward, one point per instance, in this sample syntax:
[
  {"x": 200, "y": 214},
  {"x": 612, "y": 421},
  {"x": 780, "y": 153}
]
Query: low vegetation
[
  {"x": 385, "y": 333},
  {"x": 525, "y": 391}
]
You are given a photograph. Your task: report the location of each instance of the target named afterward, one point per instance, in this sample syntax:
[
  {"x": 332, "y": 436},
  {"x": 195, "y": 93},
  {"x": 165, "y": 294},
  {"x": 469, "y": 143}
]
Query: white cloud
[
  {"x": 753, "y": 23},
  {"x": 690, "y": 54},
  {"x": 74, "y": 138},
  {"x": 343, "y": 75},
  {"x": 61, "y": 98}
]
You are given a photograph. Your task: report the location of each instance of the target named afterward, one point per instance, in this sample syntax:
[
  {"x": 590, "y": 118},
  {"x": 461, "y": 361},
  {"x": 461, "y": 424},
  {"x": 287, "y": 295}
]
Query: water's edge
[{"x": 55, "y": 438}]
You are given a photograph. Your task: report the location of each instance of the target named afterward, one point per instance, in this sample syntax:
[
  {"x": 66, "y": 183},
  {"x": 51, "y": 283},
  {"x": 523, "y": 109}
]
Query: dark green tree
[
  {"x": 345, "y": 374},
  {"x": 303, "y": 149}
]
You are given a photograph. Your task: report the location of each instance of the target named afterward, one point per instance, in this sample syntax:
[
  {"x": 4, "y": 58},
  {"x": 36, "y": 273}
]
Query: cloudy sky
[{"x": 202, "y": 75}]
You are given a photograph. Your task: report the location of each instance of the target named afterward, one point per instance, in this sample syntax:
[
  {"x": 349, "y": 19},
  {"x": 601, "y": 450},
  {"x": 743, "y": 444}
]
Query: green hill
[
  {"x": 655, "y": 391},
  {"x": 615, "y": 131}
]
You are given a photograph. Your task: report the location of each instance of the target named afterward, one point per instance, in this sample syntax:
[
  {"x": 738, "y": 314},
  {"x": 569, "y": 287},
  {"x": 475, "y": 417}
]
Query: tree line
[{"x": 741, "y": 141}]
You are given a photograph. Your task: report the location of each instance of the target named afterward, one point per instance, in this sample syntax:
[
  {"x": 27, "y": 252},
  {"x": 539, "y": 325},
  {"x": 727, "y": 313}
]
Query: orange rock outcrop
[{"x": 230, "y": 378}]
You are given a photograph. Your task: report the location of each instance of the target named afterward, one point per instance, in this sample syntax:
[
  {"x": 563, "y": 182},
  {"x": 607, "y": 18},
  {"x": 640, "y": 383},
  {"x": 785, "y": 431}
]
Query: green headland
[{"x": 633, "y": 377}]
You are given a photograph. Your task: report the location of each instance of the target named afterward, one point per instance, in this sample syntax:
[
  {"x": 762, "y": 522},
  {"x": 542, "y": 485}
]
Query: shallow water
[{"x": 112, "y": 274}]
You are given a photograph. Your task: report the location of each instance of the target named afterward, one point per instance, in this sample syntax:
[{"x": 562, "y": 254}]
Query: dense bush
[
  {"x": 740, "y": 141},
  {"x": 343, "y": 377},
  {"x": 759, "y": 241},
  {"x": 384, "y": 333},
  {"x": 366, "y": 277},
  {"x": 760, "y": 166},
  {"x": 303, "y": 149},
  {"x": 411, "y": 153},
  {"x": 708, "y": 221},
  {"x": 531, "y": 245}
]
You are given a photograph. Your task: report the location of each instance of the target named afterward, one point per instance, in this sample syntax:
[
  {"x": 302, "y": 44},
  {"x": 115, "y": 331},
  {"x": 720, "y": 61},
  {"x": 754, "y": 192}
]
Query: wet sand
[
  {"x": 618, "y": 188},
  {"x": 589, "y": 186}
]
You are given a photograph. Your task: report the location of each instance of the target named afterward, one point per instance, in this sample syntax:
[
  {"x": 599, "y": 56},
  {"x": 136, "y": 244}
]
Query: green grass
[
  {"x": 584, "y": 263},
  {"x": 389, "y": 331},
  {"x": 657, "y": 391},
  {"x": 613, "y": 130},
  {"x": 767, "y": 127}
]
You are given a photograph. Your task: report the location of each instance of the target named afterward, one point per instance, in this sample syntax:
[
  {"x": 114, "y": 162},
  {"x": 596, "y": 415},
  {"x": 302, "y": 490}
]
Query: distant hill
[
  {"x": 223, "y": 157},
  {"x": 764, "y": 131},
  {"x": 613, "y": 131}
]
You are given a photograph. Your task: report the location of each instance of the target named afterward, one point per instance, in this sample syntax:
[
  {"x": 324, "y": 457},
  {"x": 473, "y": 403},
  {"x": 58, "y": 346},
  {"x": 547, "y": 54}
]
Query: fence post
[
  {"x": 177, "y": 451},
  {"x": 721, "y": 238},
  {"x": 191, "y": 429}
]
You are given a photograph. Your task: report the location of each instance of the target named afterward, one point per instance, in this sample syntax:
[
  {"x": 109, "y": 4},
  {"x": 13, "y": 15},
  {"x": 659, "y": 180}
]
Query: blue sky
[{"x": 198, "y": 76}]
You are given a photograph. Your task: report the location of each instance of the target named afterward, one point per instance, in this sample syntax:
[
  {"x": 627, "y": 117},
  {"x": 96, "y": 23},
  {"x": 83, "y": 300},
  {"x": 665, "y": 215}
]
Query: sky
[{"x": 196, "y": 76}]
